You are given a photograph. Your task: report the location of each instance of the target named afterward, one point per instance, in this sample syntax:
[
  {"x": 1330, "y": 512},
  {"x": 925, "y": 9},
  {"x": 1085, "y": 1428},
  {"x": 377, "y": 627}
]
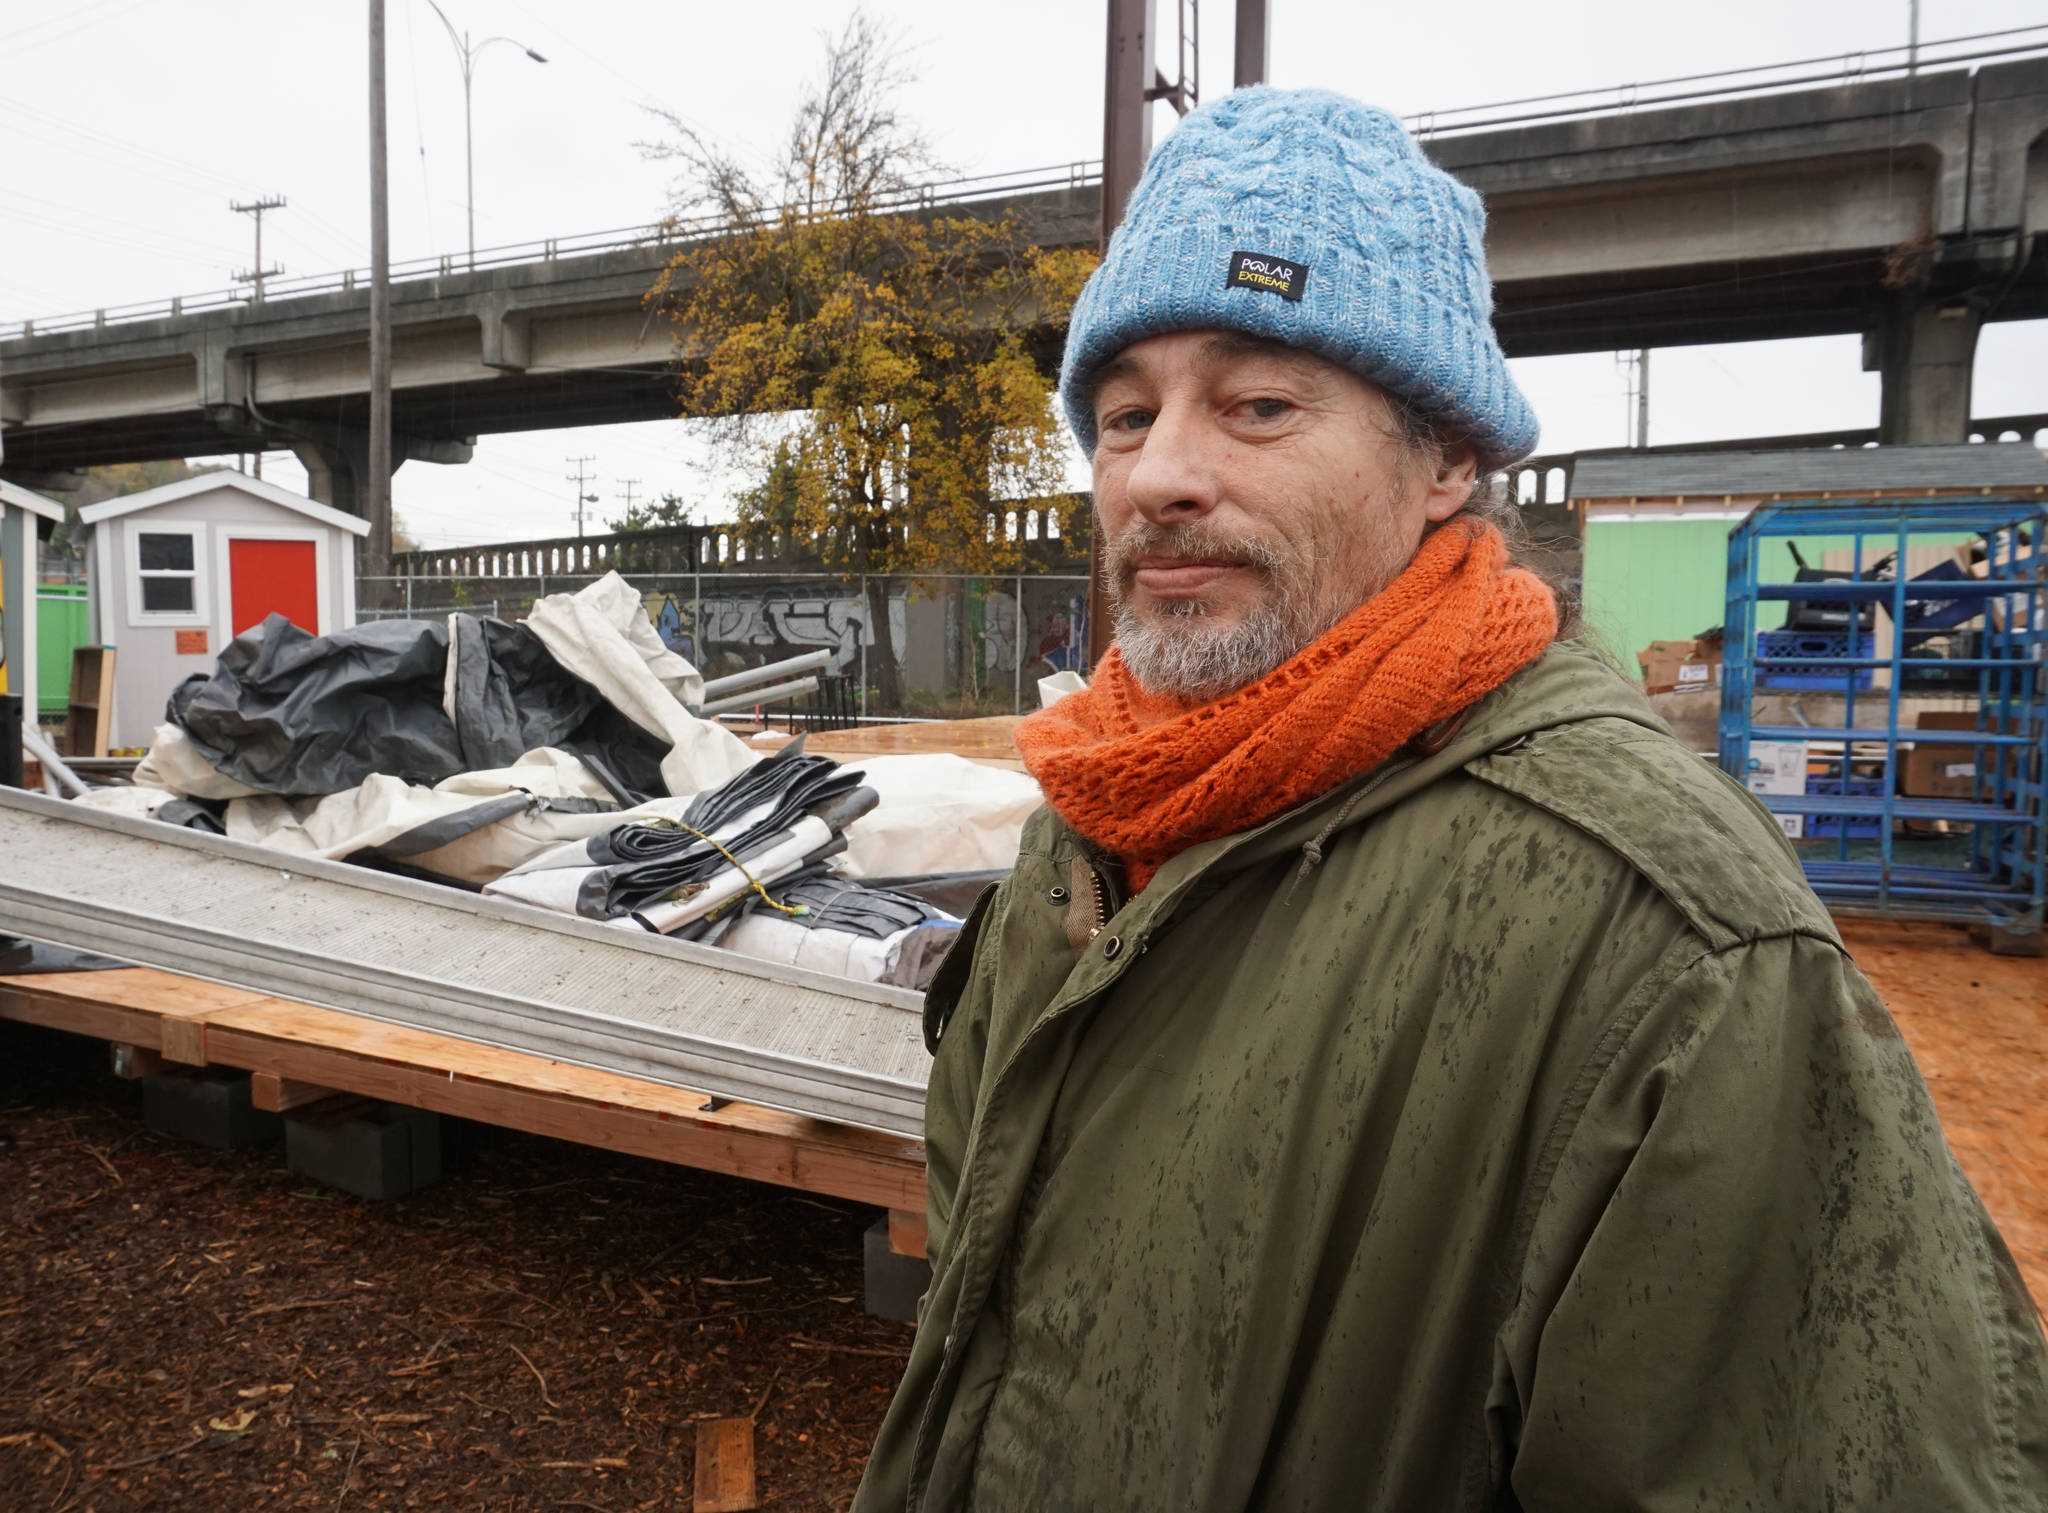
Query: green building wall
[{"x": 1667, "y": 580}]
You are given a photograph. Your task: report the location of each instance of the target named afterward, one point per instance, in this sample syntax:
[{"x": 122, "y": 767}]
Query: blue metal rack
[{"x": 1998, "y": 875}]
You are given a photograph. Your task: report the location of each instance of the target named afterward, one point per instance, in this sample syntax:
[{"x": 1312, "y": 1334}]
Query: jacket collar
[{"x": 1571, "y": 682}]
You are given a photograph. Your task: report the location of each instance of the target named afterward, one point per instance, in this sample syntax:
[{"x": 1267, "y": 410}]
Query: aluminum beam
[{"x": 439, "y": 958}]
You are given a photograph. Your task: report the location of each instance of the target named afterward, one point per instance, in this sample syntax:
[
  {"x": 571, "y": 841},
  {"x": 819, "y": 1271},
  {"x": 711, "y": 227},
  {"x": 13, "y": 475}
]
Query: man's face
[{"x": 1251, "y": 495}]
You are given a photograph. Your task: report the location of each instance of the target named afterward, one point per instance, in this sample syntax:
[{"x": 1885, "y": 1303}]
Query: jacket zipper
[
  {"x": 1098, "y": 888},
  {"x": 1101, "y": 905}
]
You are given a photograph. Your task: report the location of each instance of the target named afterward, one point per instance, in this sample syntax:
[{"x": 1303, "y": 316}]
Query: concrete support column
[
  {"x": 1926, "y": 352},
  {"x": 337, "y": 469},
  {"x": 338, "y": 475}
]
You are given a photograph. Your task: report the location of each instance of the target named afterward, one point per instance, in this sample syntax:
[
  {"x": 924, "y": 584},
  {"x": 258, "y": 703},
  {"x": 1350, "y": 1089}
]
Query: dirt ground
[
  {"x": 1978, "y": 1025},
  {"x": 185, "y": 1329}
]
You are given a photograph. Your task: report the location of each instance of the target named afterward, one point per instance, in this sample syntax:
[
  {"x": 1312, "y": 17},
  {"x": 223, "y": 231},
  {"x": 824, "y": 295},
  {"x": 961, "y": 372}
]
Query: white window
[{"x": 167, "y": 578}]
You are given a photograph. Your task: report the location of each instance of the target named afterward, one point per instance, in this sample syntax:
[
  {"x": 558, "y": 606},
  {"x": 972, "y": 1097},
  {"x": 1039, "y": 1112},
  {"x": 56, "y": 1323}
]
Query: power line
[{"x": 87, "y": 23}]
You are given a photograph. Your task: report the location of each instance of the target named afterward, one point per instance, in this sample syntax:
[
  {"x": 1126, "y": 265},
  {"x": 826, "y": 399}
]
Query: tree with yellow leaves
[{"x": 887, "y": 366}]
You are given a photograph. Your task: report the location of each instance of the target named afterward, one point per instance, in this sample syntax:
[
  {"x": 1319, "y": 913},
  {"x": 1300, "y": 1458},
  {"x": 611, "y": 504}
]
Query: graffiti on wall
[
  {"x": 767, "y": 624},
  {"x": 746, "y": 627}
]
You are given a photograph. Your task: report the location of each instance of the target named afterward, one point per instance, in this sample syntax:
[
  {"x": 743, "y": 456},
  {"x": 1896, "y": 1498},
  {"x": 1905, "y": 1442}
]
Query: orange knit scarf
[{"x": 1146, "y": 776}]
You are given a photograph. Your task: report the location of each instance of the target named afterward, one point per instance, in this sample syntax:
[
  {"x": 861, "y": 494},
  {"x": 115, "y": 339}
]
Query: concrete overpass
[{"x": 1903, "y": 209}]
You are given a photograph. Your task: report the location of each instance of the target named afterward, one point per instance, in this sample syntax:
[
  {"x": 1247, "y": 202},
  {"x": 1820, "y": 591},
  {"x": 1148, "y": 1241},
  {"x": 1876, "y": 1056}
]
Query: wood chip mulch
[{"x": 197, "y": 1330}]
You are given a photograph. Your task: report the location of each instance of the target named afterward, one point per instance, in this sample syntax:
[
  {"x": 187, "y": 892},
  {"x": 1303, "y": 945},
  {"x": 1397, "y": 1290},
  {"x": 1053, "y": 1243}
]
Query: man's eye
[
  {"x": 1130, "y": 420},
  {"x": 1269, "y": 409}
]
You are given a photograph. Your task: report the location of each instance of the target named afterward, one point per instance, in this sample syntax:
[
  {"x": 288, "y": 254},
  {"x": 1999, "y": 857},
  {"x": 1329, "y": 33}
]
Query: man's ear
[{"x": 1453, "y": 484}]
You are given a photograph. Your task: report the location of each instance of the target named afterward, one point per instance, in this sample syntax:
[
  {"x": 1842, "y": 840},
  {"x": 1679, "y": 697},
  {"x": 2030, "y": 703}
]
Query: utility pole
[
  {"x": 1126, "y": 143},
  {"x": 1912, "y": 36},
  {"x": 1253, "y": 57},
  {"x": 1642, "y": 396},
  {"x": 257, "y": 272},
  {"x": 1126, "y": 113},
  {"x": 468, "y": 54},
  {"x": 628, "y": 485},
  {"x": 377, "y": 487},
  {"x": 582, "y": 481},
  {"x": 1635, "y": 368}
]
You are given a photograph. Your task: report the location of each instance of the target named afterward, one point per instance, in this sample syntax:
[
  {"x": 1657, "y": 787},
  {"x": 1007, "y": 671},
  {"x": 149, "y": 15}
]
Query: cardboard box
[
  {"x": 1779, "y": 767},
  {"x": 1944, "y": 771},
  {"x": 1680, "y": 666}
]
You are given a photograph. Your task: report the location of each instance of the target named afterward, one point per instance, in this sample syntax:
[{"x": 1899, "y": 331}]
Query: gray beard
[{"x": 1177, "y": 649}]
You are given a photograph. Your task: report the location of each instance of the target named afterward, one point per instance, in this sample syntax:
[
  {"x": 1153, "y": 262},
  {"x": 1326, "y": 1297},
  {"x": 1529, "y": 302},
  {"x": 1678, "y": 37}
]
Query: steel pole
[
  {"x": 468, "y": 150},
  {"x": 377, "y": 487},
  {"x": 1126, "y": 142},
  {"x": 1253, "y": 55}
]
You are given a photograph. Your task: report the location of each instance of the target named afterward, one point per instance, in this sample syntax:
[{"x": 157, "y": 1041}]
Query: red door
[{"x": 273, "y": 577}]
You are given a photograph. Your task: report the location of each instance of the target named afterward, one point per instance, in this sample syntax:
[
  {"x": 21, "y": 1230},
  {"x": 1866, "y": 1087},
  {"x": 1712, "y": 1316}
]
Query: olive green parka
[{"x": 1505, "y": 1129}]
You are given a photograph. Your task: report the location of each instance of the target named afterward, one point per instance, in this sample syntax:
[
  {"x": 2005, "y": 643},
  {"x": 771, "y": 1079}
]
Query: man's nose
[{"x": 1174, "y": 478}]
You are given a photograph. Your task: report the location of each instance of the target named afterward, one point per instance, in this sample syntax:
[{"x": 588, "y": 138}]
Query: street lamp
[{"x": 468, "y": 54}]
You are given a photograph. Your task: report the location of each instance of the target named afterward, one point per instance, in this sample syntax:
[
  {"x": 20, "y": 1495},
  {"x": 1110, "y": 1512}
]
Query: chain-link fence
[{"x": 927, "y": 646}]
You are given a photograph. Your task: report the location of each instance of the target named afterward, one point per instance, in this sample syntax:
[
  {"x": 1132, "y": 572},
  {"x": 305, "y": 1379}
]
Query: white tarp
[
  {"x": 385, "y": 809},
  {"x": 602, "y": 634},
  {"x": 938, "y": 813}
]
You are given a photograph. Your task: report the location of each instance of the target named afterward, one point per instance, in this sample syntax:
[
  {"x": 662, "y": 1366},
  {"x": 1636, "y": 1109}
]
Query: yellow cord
[{"x": 663, "y": 822}]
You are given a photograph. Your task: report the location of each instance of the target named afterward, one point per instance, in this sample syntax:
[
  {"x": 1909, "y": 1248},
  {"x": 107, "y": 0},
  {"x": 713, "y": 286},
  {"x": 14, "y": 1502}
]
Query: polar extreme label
[{"x": 1261, "y": 270}]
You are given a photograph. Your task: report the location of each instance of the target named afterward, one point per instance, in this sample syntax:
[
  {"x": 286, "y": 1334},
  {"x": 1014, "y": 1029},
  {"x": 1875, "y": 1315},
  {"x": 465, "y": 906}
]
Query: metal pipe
[
  {"x": 775, "y": 695},
  {"x": 53, "y": 765},
  {"x": 734, "y": 682}
]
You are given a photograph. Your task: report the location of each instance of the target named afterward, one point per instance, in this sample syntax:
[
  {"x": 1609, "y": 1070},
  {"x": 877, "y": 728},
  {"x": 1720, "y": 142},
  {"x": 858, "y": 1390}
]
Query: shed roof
[
  {"x": 202, "y": 483},
  {"x": 28, "y": 499},
  {"x": 1809, "y": 472}
]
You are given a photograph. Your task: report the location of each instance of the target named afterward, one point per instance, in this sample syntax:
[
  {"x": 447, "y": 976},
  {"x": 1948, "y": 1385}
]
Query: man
[{"x": 1398, "y": 1075}]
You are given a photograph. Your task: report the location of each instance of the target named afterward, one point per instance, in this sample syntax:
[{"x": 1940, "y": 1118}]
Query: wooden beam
[
  {"x": 133, "y": 1061},
  {"x": 725, "y": 1466},
  {"x": 183, "y": 1040},
  {"x": 278, "y": 1095},
  {"x": 299, "y": 1044},
  {"x": 907, "y": 1232}
]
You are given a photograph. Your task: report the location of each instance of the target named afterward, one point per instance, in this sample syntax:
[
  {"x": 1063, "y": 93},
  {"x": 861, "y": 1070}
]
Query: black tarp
[{"x": 301, "y": 715}]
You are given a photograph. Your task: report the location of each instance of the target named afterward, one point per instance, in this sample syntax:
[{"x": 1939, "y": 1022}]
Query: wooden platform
[
  {"x": 989, "y": 740},
  {"x": 301, "y": 1054}
]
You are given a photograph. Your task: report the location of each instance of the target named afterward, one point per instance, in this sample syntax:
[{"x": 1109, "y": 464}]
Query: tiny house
[{"x": 179, "y": 571}]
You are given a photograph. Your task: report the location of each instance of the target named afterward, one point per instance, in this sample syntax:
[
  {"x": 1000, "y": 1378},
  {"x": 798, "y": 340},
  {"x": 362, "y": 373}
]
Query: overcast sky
[{"x": 126, "y": 127}]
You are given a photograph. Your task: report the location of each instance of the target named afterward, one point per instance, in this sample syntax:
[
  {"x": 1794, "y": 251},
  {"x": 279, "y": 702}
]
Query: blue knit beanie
[{"x": 1306, "y": 217}]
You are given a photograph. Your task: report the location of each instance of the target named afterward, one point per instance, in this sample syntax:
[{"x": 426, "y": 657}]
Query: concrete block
[
  {"x": 894, "y": 1283},
  {"x": 2003, "y": 942},
  {"x": 208, "y": 1107},
  {"x": 383, "y": 1151}
]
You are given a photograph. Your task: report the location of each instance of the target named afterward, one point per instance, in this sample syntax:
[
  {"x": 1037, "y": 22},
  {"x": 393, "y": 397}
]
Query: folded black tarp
[
  {"x": 624, "y": 870},
  {"x": 301, "y": 715}
]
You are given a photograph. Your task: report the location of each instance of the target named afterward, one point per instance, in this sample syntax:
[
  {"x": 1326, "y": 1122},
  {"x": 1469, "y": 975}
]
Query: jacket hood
[{"x": 1571, "y": 682}]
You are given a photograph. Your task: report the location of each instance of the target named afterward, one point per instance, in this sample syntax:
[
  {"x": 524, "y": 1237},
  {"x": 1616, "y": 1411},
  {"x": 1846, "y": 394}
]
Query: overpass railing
[
  {"x": 671, "y": 232},
  {"x": 1854, "y": 67}
]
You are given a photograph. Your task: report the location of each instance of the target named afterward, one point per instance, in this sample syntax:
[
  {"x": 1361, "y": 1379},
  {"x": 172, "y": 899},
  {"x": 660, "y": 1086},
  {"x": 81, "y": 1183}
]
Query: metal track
[{"x": 439, "y": 958}]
